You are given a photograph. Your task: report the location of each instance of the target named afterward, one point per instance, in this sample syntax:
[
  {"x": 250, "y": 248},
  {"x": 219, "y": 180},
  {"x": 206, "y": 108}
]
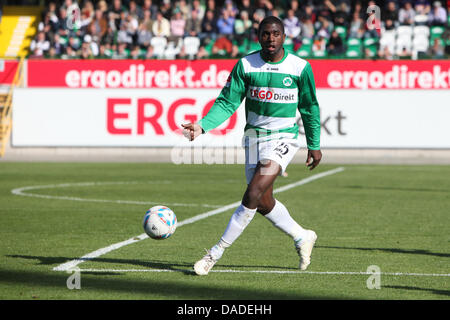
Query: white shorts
[{"x": 279, "y": 150}]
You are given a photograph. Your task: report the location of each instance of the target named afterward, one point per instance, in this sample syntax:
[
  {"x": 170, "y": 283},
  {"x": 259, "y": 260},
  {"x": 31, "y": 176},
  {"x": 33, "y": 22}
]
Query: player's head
[{"x": 271, "y": 35}]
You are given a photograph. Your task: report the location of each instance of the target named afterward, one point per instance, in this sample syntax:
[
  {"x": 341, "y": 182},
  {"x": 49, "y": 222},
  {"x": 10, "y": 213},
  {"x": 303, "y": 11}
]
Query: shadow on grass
[
  {"x": 153, "y": 264},
  {"x": 434, "y": 291},
  {"x": 185, "y": 288},
  {"x": 393, "y": 250},
  {"x": 396, "y": 189}
]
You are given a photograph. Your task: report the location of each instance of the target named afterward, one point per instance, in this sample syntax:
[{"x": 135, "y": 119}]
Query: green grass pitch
[{"x": 395, "y": 217}]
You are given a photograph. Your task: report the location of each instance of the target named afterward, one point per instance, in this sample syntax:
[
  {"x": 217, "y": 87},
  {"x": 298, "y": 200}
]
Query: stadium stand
[{"x": 146, "y": 29}]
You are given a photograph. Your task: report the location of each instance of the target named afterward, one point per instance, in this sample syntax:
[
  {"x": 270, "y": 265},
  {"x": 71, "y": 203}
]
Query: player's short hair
[{"x": 270, "y": 20}]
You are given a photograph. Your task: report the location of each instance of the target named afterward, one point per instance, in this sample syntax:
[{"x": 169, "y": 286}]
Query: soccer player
[{"x": 275, "y": 84}]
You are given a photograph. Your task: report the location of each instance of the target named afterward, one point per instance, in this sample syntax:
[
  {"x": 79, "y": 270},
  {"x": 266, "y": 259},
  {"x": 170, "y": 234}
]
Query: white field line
[
  {"x": 24, "y": 192},
  {"x": 73, "y": 263},
  {"x": 351, "y": 273}
]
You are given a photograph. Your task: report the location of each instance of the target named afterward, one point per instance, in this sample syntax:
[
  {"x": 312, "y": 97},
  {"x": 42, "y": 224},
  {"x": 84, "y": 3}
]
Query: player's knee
[
  {"x": 255, "y": 193},
  {"x": 265, "y": 205}
]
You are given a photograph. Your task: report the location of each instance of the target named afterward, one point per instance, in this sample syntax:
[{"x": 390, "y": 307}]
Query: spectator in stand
[
  {"x": 56, "y": 45},
  {"x": 150, "y": 6},
  {"x": 115, "y": 12},
  {"x": 74, "y": 43},
  {"x": 242, "y": 28},
  {"x": 390, "y": 15},
  {"x": 291, "y": 25},
  {"x": 335, "y": 45},
  {"x": 93, "y": 45},
  {"x": 385, "y": 53},
  {"x": 184, "y": 9},
  {"x": 149, "y": 54},
  {"x": 88, "y": 10},
  {"x": 121, "y": 52},
  {"x": 422, "y": 9},
  {"x": 437, "y": 50},
  {"x": 144, "y": 35},
  {"x": 40, "y": 45},
  {"x": 245, "y": 5},
  {"x": 51, "y": 54},
  {"x": 202, "y": 53},
  {"x": 135, "y": 53},
  {"x": 161, "y": 27},
  {"x": 225, "y": 24},
  {"x": 235, "y": 54},
  {"x": 177, "y": 24},
  {"x": 123, "y": 35},
  {"x": 99, "y": 24},
  {"x": 102, "y": 6},
  {"x": 308, "y": 14},
  {"x": 193, "y": 25},
  {"x": 147, "y": 21},
  {"x": 62, "y": 26},
  {"x": 166, "y": 9},
  {"x": 356, "y": 26},
  {"x": 325, "y": 29},
  {"x": 341, "y": 16},
  {"x": 110, "y": 36},
  {"x": 292, "y": 28},
  {"x": 70, "y": 53},
  {"x": 232, "y": 10},
  {"x": 209, "y": 27},
  {"x": 135, "y": 11},
  {"x": 182, "y": 54},
  {"x": 389, "y": 25},
  {"x": 102, "y": 53},
  {"x": 52, "y": 15},
  {"x": 85, "y": 51},
  {"x": 406, "y": 14},
  {"x": 307, "y": 28},
  {"x": 222, "y": 46},
  {"x": 438, "y": 15},
  {"x": 132, "y": 27},
  {"x": 294, "y": 5},
  {"x": 198, "y": 8},
  {"x": 211, "y": 5},
  {"x": 323, "y": 13},
  {"x": 404, "y": 53},
  {"x": 264, "y": 5},
  {"x": 319, "y": 45},
  {"x": 258, "y": 16}
]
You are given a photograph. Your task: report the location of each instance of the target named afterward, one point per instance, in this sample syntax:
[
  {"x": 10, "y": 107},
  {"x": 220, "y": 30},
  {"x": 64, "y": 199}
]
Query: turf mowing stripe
[
  {"x": 21, "y": 192},
  {"x": 70, "y": 265},
  {"x": 277, "y": 272}
]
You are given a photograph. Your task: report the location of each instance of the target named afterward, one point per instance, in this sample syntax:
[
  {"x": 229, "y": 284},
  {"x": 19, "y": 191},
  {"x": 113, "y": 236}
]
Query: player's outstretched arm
[
  {"x": 192, "y": 130},
  {"x": 313, "y": 158}
]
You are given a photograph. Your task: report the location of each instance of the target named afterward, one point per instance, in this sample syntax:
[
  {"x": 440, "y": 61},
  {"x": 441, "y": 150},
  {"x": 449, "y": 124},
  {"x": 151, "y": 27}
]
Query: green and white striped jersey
[{"x": 273, "y": 92}]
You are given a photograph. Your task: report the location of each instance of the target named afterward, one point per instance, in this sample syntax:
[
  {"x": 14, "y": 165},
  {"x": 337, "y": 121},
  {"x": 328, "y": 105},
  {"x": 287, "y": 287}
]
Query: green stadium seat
[
  {"x": 436, "y": 32},
  {"x": 370, "y": 41},
  {"x": 342, "y": 31},
  {"x": 305, "y": 50},
  {"x": 354, "y": 42},
  {"x": 353, "y": 53},
  {"x": 320, "y": 54}
]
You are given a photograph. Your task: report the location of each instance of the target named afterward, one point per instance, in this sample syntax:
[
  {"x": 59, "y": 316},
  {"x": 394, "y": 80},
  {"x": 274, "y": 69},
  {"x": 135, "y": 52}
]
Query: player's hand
[
  {"x": 191, "y": 130},
  {"x": 313, "y": 158}
]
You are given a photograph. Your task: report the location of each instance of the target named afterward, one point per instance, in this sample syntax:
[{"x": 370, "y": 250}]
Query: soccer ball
[{"x": 160, "y": 222}]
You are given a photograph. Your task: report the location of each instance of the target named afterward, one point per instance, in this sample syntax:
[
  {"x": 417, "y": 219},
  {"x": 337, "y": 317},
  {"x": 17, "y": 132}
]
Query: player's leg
[
  {"x": 263, "y": 178},
  {"x": 279, "y": 216}
]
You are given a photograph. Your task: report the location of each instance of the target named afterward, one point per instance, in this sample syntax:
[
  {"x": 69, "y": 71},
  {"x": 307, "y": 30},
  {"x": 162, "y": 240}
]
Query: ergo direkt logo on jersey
[{"x": 272, "y": 95}]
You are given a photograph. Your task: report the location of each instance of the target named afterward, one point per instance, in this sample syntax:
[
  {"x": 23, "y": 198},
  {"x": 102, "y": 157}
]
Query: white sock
[
  {"x": 280, "y": 218},
  {"x": 218, "y": 249},
  {"x": 238, "y": 222}
]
